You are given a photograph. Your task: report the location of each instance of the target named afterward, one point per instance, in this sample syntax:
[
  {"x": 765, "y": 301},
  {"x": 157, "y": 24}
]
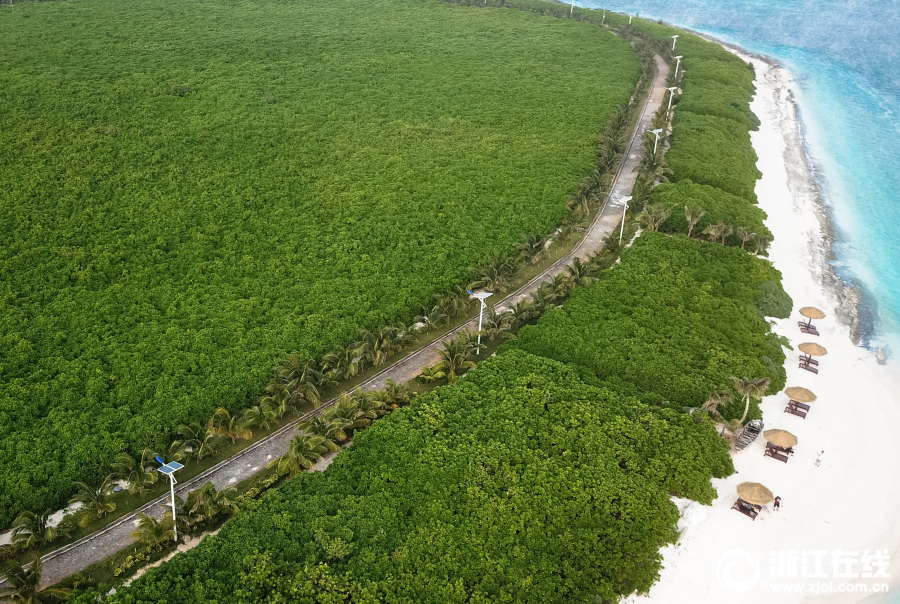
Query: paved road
[{"x": 117, "y": 536}]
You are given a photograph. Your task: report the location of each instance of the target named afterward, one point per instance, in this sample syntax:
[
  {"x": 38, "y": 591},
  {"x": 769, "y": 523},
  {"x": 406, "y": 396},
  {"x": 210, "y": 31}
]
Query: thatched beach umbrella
[
  {"x": 753, "y": 492},
  {"x": 812, "y": 349},
  {"x": 801, "y": 395},
  {"x": 811, "y": 312},
  {"x": 780, "y": 438}
]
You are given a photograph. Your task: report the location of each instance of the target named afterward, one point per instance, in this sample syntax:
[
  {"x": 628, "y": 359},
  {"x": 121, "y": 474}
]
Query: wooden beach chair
[
  {"x": 795, "y": 411},
  {"x": 745, "y": 508},
  {"x": 805, "y": 358},
  {"x": 808, "y": 367},
  {"x": 773, "y": 452},
  {"x": 799, "y": 405},
  {"x": 810, "y": 330}
]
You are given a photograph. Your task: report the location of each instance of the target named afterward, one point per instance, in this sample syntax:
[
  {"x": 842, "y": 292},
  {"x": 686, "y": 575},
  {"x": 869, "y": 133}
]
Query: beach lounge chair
[
  {"x": 745, "y": 508},
  {"x": 775, "y": 453},
  {"x": 805, "y": 358},
  {"x": 808, "y": 367},
  {"x": 799, "y": 405},
  {"x": 795, "y": 411},
  {"x": 809, "y": 330}
]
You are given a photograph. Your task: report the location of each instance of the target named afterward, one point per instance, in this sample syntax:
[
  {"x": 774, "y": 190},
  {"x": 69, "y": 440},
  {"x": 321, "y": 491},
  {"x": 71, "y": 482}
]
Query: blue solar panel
[{"x": 170, "y": 467}]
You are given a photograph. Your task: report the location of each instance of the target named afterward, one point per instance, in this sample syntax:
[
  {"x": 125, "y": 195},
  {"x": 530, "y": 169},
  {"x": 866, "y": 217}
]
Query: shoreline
[{"x": 847, "y": 503}]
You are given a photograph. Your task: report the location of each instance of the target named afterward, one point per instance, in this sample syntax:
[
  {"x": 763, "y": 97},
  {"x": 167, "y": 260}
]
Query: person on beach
[
  {"x": 777, "y": 505},
  {"x": 819, "y": 457}
]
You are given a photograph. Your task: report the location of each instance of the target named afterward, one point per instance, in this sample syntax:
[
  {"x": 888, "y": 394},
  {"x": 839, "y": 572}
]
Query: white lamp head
[
  {"x": 679, "y": 57},
  {"x": 481, "y": 295},
  {"x": 672, "y": 89},
  {"x": 657, "y": 131}
]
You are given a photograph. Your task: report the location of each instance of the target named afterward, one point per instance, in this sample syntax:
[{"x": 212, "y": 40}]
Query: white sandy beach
[{"x": 850, "y": 503}]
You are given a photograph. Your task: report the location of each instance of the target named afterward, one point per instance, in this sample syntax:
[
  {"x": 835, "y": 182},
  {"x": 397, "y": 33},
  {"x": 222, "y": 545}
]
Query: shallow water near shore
[{"x": 846, "y": 58}]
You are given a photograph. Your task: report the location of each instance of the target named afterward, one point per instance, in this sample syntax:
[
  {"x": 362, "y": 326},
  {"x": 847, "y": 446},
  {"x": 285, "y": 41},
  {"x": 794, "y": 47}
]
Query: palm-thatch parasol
[
  {"x": 780, "y": 438},
  {"x": 811, "y": 312},
  {"x": 755, "y": 493},
  {"x": 801, "y": 395},
  {"x": 813, "y": 349}
]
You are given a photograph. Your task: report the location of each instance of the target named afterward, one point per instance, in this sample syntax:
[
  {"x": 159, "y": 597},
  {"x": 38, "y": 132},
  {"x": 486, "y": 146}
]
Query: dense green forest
[
  {"x": 190, "y": 191},
  {"x": 521, "y": 483},
  {"x": 676, "y": 319}
]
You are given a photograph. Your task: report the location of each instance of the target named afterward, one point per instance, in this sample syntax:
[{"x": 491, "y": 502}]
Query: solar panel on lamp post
[
  {"x": 482, "y": 296},
  {"x": 671, "y": 96},
  {"x": 624, "y": 201},
  {"x": 657, "y": 132},
  {"x": 169, "y": 470}
]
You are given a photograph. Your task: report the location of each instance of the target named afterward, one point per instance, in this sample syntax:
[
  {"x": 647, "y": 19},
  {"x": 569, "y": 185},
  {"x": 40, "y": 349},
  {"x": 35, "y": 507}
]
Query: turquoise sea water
[{"x": 846, "y": 57}]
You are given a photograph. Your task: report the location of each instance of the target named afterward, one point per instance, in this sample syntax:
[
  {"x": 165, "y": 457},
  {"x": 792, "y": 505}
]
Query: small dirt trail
[{"x": 96, "y": 547}]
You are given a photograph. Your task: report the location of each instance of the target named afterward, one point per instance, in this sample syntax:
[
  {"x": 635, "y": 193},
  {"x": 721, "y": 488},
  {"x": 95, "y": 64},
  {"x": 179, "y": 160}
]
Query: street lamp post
[
  {"x": 572, "y": 8},
  {"x": 624, "y": 203},
  {"x": 678, "y": 64},
  {"x": 629, "y": 19},
  {"x": 603, "y": 20},
  {"x": 169, "y": 470},
  {"x": 671, "y": 96},
  {"x": 674, "y": 38},
  {"x": 482, "y": 296},
  {"x": 657, "y": 132}
]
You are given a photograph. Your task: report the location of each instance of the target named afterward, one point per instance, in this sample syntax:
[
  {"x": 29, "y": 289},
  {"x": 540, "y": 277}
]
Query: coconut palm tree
[
  {"x": 543, "y": 297},
  {"x": 456, "y": 357},
  {"x": 211, "y": 502},
  {"x": 455, "y": 302},
  {"x": 187, "y": 517},
  {"x": 319, "y": 426},
  {"x": 718, "y": 232},
  {"x": 533, "y": 249},
  {"x": 34, "y": 529},
  {"x": 750, "y": 388},
  {"x": 300, "y": 379},
  {"x": 432, "y": 374},
  {"x": 745, "y": 236},
  {"x": 24, "y": 584},
  {"x": 582, "y": 202},
  {"x": 258, "y": 416},
  {"x": 762, "y": 244},
  {"x": 397, "y": 394},
  {"x": 432, "y": 319},
  {"x": 350, "y": 413},
  {"x": 344, "y": 361},
  {"x": 497, "y": 324},
  {"x": 693, "y": 215},
  {"x": 495, "y": 276},
  {"x": 141, "y": 475},
  {"x": 654, "y": 216},
  {"x": 94, "y": 500},
  {"x": 223, "y": 424},
  {"x": 305, "y": 450},
  {"x": 581, "y": 273},
  {"x": 152, "y": 532},
  {"x": 378, "y": 346},
  {"x": 523, "y": 311},
  {"x": 279, "y": 399},
  {"x": 197, "y": 441}
]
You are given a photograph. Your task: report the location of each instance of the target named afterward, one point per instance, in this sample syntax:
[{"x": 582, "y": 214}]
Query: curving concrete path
[{"x": 98, "y": 546}]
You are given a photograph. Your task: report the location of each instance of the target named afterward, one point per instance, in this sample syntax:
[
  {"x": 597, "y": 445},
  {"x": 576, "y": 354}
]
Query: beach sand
[{"x": 850, "y": 503}]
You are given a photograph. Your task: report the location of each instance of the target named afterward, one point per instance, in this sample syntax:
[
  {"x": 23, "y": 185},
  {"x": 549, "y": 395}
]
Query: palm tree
[
  {"x": 34, "y": 529},
  {"x": 654, "y": 216},
  {"x": 343, "y": 360},
  {"x": 397, "y": 394},
  {"x": 140, "y": 475},
  {"x": 305, "y": 450},
  {"x": 377, "y": 347},
  {"x": 258, "y": 416},
  {"x": 495, "y": 276},
  {"x": 543, "y": 297},
  {"x": 24, "y": 584},
  {"x": 212, "y": 502},
  {"x": 188, "y": 516},
  {"x": 581, "y": 273},
  {"x": 455, "y": 357},
  {"x": 533, "y": 249},
  {"x": 432, "y": 374},
  {"x": 455, "y": 302},
  {"x": 223, "y": 424},
  {"x": 198, "y": 441},
  {"x": 762, "y": 243},
  {"x": 582, "y": 202},
  {"x": 152, "y": 532},
  {"x": 750, "y": 388},
  {"x": 523, "y": 311},
  {"x": 299, "y": 377},
  {"x": 350, "y": 413},
  {"x": 431, "y": 319},
  {"x": 693, "y": 215},
  {"x": 93, "y": 500},
  {"x": 718, "y": 231},
  {"x": 497, "y": 324},
  {"x": 744, "y": 236}
]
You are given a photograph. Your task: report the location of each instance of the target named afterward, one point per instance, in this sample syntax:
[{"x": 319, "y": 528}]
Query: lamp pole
[
  {"x": 482, "y": 296},
  {"x": 603, "y": 20},
  {"x": 674, "y": 38},
  {"x": 678, "y": 64},
  {"x": 169, "y": 470},
  {"x": 629, "y": 19},
  {"x": 572, "y": 8},
  {"x": 655, "y": 142},
  {"x": 671, "y": 96},
  {"x": 624, "y": 203}
]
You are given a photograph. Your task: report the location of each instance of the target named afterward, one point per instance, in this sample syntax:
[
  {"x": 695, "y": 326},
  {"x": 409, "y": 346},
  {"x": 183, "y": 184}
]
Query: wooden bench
[
  {"x": 775, "y": 453},
  {"x": 808, "y": 367},
  {"x": 795, "y": 411},
  {"x": 745, "y": 508}
]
